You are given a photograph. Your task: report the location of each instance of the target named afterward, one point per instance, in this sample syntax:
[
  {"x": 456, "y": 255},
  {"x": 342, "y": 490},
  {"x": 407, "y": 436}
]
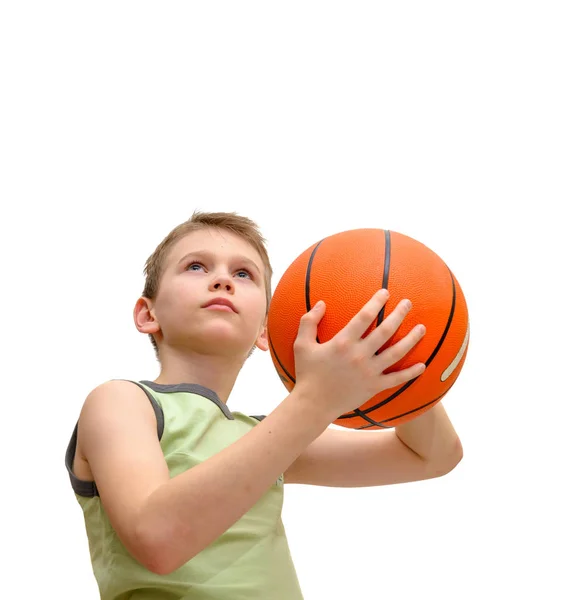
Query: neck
[{"x": 217, "y": 373}]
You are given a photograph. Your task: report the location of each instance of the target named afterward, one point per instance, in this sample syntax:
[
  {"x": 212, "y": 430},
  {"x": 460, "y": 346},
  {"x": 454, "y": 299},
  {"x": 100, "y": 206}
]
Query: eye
[
  {"x": 194, "y": 264},
  {"x": 240, "y": 272}
]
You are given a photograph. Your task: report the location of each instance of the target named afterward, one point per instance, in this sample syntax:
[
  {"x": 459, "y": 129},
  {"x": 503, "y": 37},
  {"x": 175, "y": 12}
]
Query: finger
[
  {"x": 360, "y": 322},
  {"x": 391, "y": 380},
  {"x": 401, "y": 348},
  {"x": 389, "y": 326},
  {"x": 307, "y": 329}
]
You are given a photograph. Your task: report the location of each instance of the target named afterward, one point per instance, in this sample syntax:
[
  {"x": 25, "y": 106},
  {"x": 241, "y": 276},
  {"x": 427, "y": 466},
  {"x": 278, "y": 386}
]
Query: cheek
[
  {"x": 173, "y": 302},
  {"x": 258, "y": 312}
]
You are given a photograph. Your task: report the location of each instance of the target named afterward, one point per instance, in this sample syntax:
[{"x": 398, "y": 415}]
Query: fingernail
[{"x": 407, "y": 303}]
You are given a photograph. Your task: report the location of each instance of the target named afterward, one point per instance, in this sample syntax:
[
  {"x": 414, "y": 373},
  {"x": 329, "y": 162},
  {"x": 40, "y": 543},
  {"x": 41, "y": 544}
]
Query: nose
[{"x": 221, "y": 281}]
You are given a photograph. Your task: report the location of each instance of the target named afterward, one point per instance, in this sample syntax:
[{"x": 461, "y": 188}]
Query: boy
[{"x": 182, "y": 498}]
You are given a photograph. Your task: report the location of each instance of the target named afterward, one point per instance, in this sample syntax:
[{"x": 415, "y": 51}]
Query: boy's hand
[{"x": 343, "y": 373}]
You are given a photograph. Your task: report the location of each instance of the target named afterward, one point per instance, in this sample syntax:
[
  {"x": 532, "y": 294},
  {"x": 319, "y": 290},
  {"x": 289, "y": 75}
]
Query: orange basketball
[{"x": 345, "y": 270}]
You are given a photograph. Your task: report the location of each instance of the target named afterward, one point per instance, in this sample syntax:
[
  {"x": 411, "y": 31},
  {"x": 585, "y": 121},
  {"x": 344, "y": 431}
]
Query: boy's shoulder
[
  {"x": 115, "y": 388},
  {"x": 160, "y": 396},
  {"x": 156, "y": 392},
  {"x": 113, "y": 391}
]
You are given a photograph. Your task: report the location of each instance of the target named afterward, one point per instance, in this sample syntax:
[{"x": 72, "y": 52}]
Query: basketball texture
[{"x": 345, "y": 270}]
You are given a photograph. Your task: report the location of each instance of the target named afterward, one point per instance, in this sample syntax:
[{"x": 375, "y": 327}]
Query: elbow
[
  {"x": 458, "y": 453},
  {"x": 441, "y": 467},
  {"x": 157, "y": 563},
  {"x": 160, "y": 567},
  {"x": 454, "y": 459},
  {"x": 158, "y": 551}
]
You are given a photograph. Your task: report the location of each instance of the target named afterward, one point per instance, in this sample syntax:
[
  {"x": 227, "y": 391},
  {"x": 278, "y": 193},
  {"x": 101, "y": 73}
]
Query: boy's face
[{"x": 202, "y": 267}]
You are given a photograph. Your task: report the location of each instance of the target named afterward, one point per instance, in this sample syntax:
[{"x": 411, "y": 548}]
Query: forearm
[
  {"x": 193, "y": 509},
  {"x": 432, "y": 436}
]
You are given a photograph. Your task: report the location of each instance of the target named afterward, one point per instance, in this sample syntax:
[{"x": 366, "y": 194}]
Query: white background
[{"x": 462, "y": 124}]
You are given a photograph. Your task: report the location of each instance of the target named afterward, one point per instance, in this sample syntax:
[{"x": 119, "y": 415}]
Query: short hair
[{"x": 241, "y": 226}]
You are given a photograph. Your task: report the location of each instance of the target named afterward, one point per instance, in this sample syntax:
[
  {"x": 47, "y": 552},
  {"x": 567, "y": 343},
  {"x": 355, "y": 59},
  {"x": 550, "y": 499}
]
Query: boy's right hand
[{"x": 340, "y": 375}]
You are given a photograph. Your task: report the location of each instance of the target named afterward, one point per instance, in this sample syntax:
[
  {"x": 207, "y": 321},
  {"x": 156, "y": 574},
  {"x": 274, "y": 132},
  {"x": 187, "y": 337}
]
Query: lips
[{"x": 222, "y": 302}]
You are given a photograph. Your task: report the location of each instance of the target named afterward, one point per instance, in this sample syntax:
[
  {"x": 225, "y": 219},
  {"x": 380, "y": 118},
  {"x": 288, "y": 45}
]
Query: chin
[{"x": 219, "y": 339}]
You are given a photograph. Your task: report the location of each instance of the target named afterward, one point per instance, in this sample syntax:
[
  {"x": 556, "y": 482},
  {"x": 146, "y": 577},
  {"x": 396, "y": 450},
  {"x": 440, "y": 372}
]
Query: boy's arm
[
  {"x": 164, "y": 521},
  {"x": 422, "y": 448}
]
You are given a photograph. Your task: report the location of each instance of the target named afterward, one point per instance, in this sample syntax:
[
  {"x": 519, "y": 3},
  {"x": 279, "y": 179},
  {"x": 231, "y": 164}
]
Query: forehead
[{"x": 218, "y": 241}]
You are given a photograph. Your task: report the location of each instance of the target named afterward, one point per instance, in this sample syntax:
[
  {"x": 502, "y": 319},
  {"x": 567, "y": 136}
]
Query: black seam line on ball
[
  {"x": 307, "y": 282},
  {"x": 385, "y": 279},
  {"x": 278, "y": 359},
  {"x": 427, "y": 363},
  {"x": 386, "y": 274},
  {"x": 406, "y": 413},
  {"x": 361, "y": 414}
]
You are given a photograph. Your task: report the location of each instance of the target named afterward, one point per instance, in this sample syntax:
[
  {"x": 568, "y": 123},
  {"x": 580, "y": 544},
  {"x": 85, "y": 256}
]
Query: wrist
[{"x": 311, "y": 408}]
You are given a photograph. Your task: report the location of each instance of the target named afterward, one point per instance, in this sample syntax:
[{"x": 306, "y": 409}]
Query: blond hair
[{"x": 243, "y": 227}]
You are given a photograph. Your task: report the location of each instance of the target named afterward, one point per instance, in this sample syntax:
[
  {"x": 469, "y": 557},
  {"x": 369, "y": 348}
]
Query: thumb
[{"x": 307, "y": 330}]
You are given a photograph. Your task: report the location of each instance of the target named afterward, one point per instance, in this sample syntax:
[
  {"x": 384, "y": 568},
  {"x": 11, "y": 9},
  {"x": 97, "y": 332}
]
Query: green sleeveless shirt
[{"x": 251, "y": 560}]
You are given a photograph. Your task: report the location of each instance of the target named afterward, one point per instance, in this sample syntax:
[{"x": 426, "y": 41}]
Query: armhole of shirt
[
  {"x": 88, "y": 489},
  {"x": 258, "y": 417}
]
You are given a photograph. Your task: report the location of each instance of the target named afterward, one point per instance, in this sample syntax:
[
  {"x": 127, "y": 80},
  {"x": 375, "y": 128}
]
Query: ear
[
  {"x": 144, "y": 316},
  {"x": 262, "y": 341}
]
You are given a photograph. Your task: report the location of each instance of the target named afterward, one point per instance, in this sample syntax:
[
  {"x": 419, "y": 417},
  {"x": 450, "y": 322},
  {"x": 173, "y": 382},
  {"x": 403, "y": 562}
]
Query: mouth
[{"x": 220, "y": 304}]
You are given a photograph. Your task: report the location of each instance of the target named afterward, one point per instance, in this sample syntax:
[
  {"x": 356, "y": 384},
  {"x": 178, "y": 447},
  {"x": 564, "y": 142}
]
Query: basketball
[{"x": 345, "y": 270}]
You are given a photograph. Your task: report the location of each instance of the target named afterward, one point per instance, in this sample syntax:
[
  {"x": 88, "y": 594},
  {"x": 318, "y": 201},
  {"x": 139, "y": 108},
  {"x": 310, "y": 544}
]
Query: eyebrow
[{"x": 209, "y": 256}]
